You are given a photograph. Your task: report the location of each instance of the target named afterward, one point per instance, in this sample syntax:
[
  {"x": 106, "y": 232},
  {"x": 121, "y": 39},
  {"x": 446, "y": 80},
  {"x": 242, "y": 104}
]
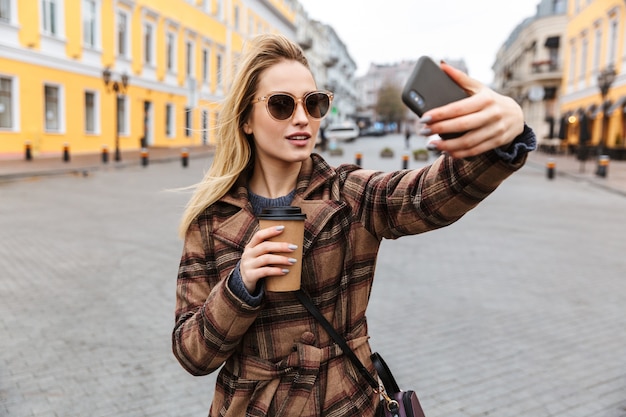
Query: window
[
  {"x": 122, "y": 125},
  {"x": 553, "y": 54},
  {"x": 190, "y": 58},
  {"x": 572, "y": 63},
  {"x": 218, "y": 9},
  {"x": 122, "y": 34},
  {"x": 559, "y": 6},
  {"x": 169, "y": 120},
  {"x": 552, "y": 45},
  {"x": 218, "y": 63},
  {"x": 597, "y": 48},
  {"x": 90, "y": 29},
  {"x": 205, "y": 127},
  {"x": 171, "y": 52},
  {"x": 49, "y": 17},
  {"x": 5, "y": 11},
  {"x": 148, "y": 43},
  {"x": 205, "y": 65},
  {"x": 6, "y": 103},
  {"x": 188, "y": 117},
  {"x": 613, "y": 34},
  {"x": 52, "y": 108},
  {"x": 90, "y": 112},
  {"x": 236, "y": 17},
  {"x": 583, "y": 58}
]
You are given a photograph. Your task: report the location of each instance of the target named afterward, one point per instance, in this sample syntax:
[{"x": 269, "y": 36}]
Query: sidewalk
[
  {"x": 53, "y": 164},
  {"x": 49, "y": 165},
  {"x": 569, "y": 166}
]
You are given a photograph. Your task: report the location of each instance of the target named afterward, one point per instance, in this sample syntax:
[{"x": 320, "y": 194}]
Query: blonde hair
[{"x": 234, "y": 149}]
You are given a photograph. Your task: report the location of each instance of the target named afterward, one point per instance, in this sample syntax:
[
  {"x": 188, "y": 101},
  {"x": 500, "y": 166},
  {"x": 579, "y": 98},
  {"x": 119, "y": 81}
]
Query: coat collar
[{"x": 314, "y": 176}]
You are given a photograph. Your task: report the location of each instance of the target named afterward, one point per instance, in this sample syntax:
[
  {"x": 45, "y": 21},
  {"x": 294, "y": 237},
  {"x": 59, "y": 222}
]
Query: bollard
[
  {"x": 551, "y": 165},
  {"x": 28, "y": 151},
  {"x": 358, "y": 158},
  {"x": 105, "y": 154},
  {"x": 66, "y": 152},
  {"x": 405, "y": 161},
  {"x": 144, "y": 157},
  {"x": 184, "y": 157},
  {"x": 603, "y": 166}
]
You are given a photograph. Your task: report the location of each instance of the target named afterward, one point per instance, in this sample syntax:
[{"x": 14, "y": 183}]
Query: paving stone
[{"x": 517, "y": 309}]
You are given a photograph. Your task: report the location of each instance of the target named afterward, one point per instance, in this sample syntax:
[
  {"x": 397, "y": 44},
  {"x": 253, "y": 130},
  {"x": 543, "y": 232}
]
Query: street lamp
[
  {"x": 605, "y": 80},
  {"x": 118, "y": 87}
]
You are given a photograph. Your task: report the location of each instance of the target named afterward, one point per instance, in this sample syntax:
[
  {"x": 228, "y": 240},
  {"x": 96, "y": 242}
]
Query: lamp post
[
  {"x": 605, "y": 80},
  {"x": 118, "y": 87}
]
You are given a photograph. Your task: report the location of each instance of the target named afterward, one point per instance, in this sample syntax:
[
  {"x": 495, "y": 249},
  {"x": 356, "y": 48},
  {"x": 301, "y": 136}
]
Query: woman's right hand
[{"x": 261, "y": 258}]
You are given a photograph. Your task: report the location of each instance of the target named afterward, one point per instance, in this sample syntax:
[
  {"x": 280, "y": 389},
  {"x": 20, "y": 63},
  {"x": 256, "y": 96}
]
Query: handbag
[
  {"x": 397, "y": 403},
  {"x": 408, "y": 404}
]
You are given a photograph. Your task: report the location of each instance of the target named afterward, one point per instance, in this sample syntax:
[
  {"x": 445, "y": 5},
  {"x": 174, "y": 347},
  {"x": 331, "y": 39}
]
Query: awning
[
  {"x": 552, "y": 42},
  {"x": 549, "y": 93},
  {"x": 592, "y": 111},
  {"x": 620, "y": 102}
]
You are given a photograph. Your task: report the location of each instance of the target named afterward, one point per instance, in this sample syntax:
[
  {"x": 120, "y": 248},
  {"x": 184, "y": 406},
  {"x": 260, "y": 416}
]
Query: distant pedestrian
[
  {"x": 273, "y": 358},
  {"x": 407, "y": 137},
  {"x": 323, "y": 139}
]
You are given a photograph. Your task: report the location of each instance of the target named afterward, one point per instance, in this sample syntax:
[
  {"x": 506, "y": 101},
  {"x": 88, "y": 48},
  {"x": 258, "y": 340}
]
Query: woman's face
[{"x": 283, "y": 141}]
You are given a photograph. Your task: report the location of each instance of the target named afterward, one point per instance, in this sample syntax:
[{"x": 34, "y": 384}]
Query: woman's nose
[{"x": 299, "y": 115}]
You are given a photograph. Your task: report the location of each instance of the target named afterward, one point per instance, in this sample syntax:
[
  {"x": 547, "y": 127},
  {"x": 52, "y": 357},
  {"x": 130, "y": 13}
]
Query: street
[{"x": 517, "y": 309}]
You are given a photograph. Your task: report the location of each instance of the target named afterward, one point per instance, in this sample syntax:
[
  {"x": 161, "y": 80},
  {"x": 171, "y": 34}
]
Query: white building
[{"x": 529, "y": 67}]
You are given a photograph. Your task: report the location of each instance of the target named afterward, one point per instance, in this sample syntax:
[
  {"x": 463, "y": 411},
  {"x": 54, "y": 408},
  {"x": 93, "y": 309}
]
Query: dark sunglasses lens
[
  {"x": 317, "y": 105},
  {"x": 281, "y": 106}
]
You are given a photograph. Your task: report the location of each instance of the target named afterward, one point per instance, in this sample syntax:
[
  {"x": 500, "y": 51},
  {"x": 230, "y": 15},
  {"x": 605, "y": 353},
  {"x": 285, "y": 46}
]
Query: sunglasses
[{"x": 282, "y": 106}]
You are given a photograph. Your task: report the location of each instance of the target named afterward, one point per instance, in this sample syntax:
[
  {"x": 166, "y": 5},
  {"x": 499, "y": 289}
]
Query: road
[{"x": 517, "y": 309}]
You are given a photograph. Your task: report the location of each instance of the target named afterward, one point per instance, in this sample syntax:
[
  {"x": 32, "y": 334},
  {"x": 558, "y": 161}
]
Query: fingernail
[
  {"x": 432, "y": 146},
  {"x": 280, "y": 228},
  {"x": 426, "y": 119},
  {"x": 292, "y": 246},
  {"x": 442, "y": 62},
  {"x": 285, "y": 271},
  {"x": 425, "y": 131},
  {"x": 292, "y": 260}
]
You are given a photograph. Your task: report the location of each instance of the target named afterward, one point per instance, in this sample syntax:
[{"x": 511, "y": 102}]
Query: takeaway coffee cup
[{"x": 293, "y": 220}]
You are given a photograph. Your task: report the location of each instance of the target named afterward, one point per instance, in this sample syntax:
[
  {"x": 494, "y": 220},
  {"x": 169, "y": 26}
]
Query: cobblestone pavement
[{"x": 517, "y": 309}]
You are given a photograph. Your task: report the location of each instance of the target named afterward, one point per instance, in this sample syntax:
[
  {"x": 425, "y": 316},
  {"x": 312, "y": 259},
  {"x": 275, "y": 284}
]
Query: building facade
[
  {"x": 594, "y": 83},
  {"x": 377, "y": 76},
  {"x": 529, "y": 67},
  {"x": 331, "y": 64},
  {"x": 122, "y": 74}
]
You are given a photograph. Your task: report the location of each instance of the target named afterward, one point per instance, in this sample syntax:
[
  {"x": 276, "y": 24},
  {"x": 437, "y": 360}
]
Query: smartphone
[{"x": 429, "y": 87}]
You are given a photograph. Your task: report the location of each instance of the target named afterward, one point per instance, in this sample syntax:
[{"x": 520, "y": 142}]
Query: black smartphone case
[{"x": 429, "y": 87}]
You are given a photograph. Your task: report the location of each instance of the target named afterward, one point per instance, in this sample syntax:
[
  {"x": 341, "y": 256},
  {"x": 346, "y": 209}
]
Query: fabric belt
[
  {"x": 305, "y": 356},
  {"x": 305, "y": 361}
]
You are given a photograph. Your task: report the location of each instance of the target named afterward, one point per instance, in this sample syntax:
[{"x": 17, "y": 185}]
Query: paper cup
[{"x": 293, "y": 220}]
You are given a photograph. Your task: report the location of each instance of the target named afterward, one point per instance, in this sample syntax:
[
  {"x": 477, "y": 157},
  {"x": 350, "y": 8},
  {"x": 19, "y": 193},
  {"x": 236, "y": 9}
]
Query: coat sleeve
[
  {"x": 210, "y": 318},
  {"x": 395, "y": 204}
]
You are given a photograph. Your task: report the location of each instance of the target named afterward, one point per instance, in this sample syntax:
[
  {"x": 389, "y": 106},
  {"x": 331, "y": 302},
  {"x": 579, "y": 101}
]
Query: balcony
[{"x": 545, "y": 70}]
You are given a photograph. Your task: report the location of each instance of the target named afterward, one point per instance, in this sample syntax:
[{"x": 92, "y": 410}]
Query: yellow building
[
  {"x": 121, "y": 73},
  {"x": 593, "y": 103}
]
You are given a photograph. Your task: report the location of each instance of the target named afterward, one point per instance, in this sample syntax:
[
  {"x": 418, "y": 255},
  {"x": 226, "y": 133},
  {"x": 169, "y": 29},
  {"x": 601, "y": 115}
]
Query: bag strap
[
  {"x": 308, "y": 303},
  {"x": 389, "y": 382}
]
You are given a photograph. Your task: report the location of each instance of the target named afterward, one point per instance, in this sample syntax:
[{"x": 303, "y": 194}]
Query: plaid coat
[{"x": 277, "y": 359}]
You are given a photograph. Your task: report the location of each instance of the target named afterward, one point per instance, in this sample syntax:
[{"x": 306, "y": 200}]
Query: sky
[{"x": 389, "y": 31}]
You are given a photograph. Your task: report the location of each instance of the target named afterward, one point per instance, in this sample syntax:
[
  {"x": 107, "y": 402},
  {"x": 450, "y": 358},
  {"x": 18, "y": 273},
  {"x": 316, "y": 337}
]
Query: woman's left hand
[{"x": 489, "y": 119}]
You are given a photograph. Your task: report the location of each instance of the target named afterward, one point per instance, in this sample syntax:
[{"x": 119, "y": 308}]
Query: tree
[{"x": 389, "y": 106}]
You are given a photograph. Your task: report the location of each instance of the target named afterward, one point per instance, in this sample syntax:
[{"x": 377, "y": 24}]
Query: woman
[{"x": 276, "y": 359}]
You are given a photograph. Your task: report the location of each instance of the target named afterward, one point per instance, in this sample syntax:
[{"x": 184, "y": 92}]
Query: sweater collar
[{"x": 314, "y": 173}]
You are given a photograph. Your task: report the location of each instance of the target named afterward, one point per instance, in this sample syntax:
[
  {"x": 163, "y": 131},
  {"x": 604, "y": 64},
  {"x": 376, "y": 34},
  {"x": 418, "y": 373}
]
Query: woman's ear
[{"x": 247, "y": 129}]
